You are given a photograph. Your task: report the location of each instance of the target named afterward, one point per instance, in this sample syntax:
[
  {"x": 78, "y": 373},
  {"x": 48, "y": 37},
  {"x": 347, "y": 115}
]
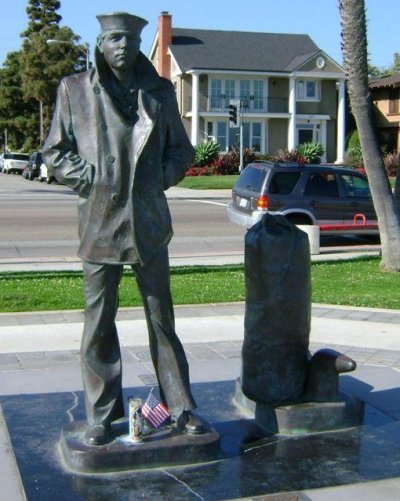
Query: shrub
[
  {"x": 229, "y": 162},
  {"x": 392, "y": 163},
  {"x": 312, "y": 152},
  {"x": 198, "y": 171},
  {"x": 352, "y": 140},
  {"x": 206, "y": 153},
  {"x": 288, "y": 156},
  {"x": 354, "y": 156}
]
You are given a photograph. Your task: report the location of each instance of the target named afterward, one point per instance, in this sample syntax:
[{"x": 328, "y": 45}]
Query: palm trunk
[{"x": 354, "y": 34}]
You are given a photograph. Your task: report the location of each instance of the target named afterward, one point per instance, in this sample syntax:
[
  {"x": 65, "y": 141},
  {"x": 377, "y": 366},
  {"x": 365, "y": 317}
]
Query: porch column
[
  {"x": 195, "y": 109},
  {"x": 341, "y": 124},
  {"x": 292, "y": 113}
]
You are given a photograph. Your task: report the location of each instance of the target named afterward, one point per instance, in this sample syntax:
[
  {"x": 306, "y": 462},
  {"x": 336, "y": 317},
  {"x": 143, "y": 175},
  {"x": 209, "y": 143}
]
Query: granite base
[
  {"x": 160, "y": 448},
  {"x": 302, "y": 417}
]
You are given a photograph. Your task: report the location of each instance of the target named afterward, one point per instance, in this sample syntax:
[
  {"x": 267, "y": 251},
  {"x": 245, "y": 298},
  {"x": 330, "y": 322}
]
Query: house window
[
  {"x": 210, "y": 132},
  {"x": 222, "y": 93},
  {"x": 222, "y": 135},
  {"x": 308, "y": 90},
  {"x": 258, "y": 94},
  {"x": 226, "y": 92},
  {"x": 227, "y": 136},
  {"x": 216, "y": 92},
  {"x": 234, "y": 137},
  {"x": 229, "y": 92},
  {"x": 308, "y": 133},
  {"x": 245, "y": 93},
  {"x": 256, "y": 136}
]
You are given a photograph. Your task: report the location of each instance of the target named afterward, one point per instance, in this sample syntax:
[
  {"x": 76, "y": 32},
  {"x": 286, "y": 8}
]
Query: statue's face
[{"x": 120, "y": 49}]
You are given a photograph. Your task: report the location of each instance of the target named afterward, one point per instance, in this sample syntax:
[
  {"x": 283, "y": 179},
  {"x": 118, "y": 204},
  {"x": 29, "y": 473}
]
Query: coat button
[
  {"x": 103, "y": 126},
  {"x": 115, "y": 197},
  {"x": 110, "y": 159},
  {"x": 96, "y": 89}
]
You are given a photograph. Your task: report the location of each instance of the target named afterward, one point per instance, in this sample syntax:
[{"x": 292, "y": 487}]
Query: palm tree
[{"x": 354, "y": 47}]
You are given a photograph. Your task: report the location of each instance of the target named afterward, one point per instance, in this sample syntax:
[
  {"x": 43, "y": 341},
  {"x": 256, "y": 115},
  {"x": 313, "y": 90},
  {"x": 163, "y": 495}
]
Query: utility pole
[
  {"x": 236, "y": 119},
  {"x": 41, "y": 135},
  {"x": 241, "y": 135}
]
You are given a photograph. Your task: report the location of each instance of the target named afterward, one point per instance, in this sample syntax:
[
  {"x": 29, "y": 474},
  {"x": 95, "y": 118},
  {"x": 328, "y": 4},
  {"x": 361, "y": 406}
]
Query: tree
[
  {"x": 396, "y": 63},
  {"x": 374, "y": 71},
  {"x": 44, "y": 64},
  {"x": 354, "y": 47},
  {"x": 16, "y": 113}
]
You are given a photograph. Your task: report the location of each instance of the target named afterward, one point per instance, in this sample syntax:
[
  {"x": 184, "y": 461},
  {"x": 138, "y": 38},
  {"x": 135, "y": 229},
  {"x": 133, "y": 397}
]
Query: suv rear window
[
  {"x": 283, "y": 183},
  {"x": 252, "y": 177}
]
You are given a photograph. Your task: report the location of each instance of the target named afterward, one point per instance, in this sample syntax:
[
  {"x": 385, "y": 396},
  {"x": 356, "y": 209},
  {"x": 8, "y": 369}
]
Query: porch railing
[{"x": 251, "y": 104}]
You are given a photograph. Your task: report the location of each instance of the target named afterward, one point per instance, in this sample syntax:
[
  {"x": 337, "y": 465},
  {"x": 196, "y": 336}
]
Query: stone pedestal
[
  {"x": 303, "y": 417},
  {"x": 161, "y": 448}
]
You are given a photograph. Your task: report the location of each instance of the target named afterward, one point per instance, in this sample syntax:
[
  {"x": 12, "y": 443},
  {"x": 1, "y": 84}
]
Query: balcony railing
[{"x": 251, "y": 104}]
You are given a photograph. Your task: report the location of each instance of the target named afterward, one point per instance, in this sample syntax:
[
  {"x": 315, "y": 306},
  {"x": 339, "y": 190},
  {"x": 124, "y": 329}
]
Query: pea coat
[{"x": 119, "y": 166}]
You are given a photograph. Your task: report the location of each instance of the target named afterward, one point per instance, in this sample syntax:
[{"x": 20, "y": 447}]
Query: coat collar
[{"x": 146, "y": 76}]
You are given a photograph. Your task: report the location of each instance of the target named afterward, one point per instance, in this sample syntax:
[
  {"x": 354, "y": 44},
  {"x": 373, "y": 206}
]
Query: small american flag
[{"x": 154, "y": 411}]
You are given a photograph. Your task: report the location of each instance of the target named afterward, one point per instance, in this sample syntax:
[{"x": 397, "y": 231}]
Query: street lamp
[{"x": 85, "y": 51}]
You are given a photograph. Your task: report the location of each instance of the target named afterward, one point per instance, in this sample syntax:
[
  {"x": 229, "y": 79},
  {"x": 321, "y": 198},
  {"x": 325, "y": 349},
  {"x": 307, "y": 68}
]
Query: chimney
[{"x": 164, "y": 40}]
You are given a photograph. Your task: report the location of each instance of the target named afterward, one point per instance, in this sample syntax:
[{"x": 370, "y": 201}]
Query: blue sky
[{"x": 318, "y": 18}]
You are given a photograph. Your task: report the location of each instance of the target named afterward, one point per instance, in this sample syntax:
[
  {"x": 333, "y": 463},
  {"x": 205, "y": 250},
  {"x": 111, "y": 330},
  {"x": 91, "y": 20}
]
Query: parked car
[
  {"x": 43, "y": 174},
  {"x": 337, "y": 199},
  {"x": 1, "y": 161},
  {"x": 15, "y": 162},
  {"x": 32, "y": 169}
]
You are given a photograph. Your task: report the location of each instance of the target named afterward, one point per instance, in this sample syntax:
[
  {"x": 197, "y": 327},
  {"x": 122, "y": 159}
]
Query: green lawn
[
  {"x": 208, "y": 182},
  {"x": 354, "y": 282}
]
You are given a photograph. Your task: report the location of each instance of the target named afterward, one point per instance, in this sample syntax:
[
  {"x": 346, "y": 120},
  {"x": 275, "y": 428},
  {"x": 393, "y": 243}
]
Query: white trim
[
  {"x": 237, "y": 72},
  {"x": 341, "y": 121},
  {"x": 310, "y": 116},
  {"x": 323, "y": 137},
  {"x": 318, "y": 75},
  {"x": 173, "y": 60},
  {"x": 291, "y": 141},
  {"x": 321, "y": 75},
  {"x": 153, "y": 46},
  {"x": 195, "y": 126},
  {"x": 318, "y": 54}
]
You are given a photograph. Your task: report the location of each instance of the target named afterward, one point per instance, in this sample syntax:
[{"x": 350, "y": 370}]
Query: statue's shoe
[
  {"x": 190, "y": 423},
  {"x": 99, "y": 434}
]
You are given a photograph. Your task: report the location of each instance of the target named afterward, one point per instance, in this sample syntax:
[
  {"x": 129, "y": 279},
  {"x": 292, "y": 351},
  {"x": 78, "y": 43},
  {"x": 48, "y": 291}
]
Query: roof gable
[{"x": 241, "y": 51}]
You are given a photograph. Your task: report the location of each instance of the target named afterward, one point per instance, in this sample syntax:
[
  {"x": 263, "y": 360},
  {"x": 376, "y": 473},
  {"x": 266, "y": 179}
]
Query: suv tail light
[{"x": 262, "y": 202}]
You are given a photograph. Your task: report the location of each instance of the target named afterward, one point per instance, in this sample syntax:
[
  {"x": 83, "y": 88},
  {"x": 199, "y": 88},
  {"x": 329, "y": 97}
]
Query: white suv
[{"x": 15, "y": 162}]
